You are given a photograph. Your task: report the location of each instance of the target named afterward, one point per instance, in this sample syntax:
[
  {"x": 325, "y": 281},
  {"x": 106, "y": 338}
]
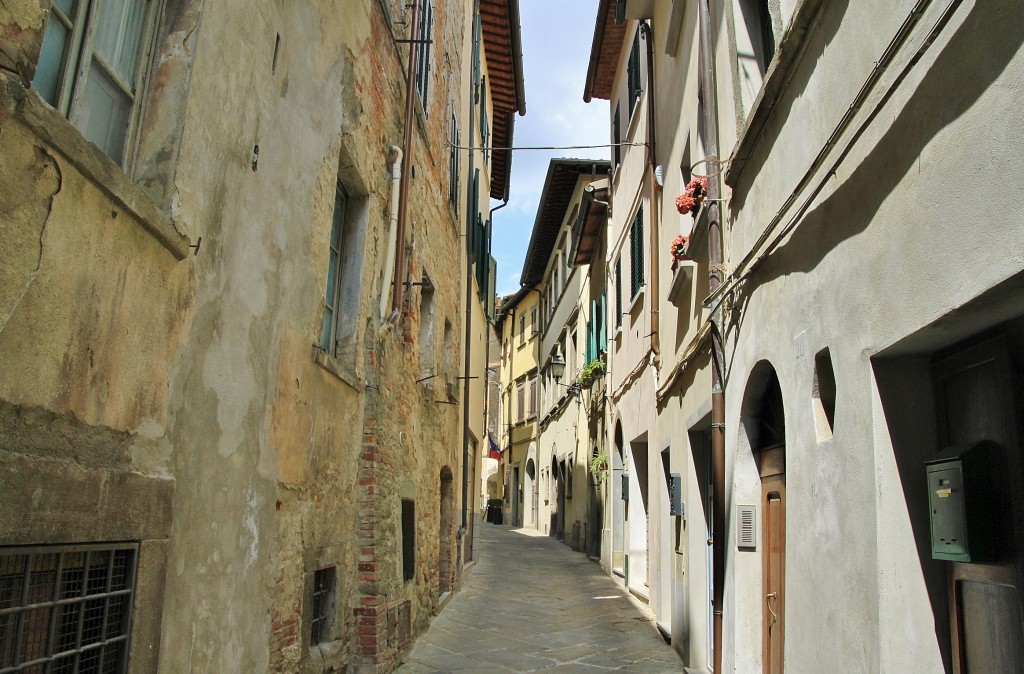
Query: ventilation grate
[{"x": 746, "y": 536}]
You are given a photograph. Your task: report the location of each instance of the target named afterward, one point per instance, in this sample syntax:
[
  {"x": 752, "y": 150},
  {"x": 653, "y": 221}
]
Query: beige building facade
[{"x": 860, "y": 357}]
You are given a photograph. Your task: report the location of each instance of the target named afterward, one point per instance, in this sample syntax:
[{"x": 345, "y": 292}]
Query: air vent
[{"x": 746, "y": 536}]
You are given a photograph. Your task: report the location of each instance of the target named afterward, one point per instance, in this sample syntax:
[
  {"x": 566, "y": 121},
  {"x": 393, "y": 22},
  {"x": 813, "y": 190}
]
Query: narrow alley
[{"x": 531, "y": 604}]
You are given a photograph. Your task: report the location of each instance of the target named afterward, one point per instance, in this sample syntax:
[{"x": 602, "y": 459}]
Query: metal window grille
[
  {"x": 66, "y": 609},
  {"x": 636, "y": 253},
  {"x": 422, "y": 51},
  {"x": 323, "y": 588},
  {"x": 453, "y": 164}
]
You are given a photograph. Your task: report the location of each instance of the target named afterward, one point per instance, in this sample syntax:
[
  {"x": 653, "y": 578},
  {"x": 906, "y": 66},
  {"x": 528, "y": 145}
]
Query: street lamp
[
  {"x": 557, "y": 367},
  {"x": 557, "y": 370}
]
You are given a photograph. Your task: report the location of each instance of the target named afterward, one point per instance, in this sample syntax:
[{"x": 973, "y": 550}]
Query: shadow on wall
[
  {"x": 906, "y": 392},
  {"x": 965, "y": 68}
]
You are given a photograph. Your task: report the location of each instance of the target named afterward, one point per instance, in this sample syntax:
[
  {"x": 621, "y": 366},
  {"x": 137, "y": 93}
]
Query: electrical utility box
[
  {"x": 961, "y": 502},
  {"x": 675, "y": 495},
  {"x": 625, "y": 486}
]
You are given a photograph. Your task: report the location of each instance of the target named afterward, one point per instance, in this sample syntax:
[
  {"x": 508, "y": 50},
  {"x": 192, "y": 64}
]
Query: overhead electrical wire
[{"x": 542, "y": 147}]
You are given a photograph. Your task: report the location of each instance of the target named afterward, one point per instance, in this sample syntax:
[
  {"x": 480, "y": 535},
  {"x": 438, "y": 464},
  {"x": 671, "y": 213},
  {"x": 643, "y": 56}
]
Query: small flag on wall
[{"x": 495, "y": 451}]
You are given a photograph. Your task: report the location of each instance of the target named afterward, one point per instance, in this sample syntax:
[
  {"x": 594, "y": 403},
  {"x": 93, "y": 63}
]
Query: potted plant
[
  {"x": 678, "y": 250},
  {"x": 690, "y": 200},
  {"x": 599, "y": 466},
  {"x": 590, "y": 372}
]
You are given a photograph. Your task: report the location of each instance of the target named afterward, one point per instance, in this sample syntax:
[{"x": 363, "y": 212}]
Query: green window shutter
[
  {"x": 602, "y": 327},
  {"x": 636, "y": 262},
  {"x": 618, "y": 291}
]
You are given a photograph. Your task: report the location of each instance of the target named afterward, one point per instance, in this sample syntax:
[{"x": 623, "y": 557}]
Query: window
[
  {"x": 533, "y": 320},
  {"x": 533, "y": 397},
  {"x": 618, "y": 292},
  {"x": 332, "y": 298},
  {"x": 423, "y": 52},
  {"x": 92, "y": 65},
  {"x": 408, "y": 539},
  {"x": 66, "y": 608},
  {"x": 485, "y": 121},
  {"x": 633, "y": 72},
  {"x": 522, "y": 329},
  {"x": 520, "y": 401},
  {"x": 322, "y": 605},
  {"x": 453, "y": 163},
  {"x": 636, "y": 254}
]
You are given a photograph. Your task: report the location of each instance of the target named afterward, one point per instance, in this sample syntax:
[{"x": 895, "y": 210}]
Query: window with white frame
[{"x": 92, "y": 65}]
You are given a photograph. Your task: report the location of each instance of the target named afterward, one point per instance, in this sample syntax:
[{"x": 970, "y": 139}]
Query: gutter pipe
[
  {"x": 655, "y": 322},
  {"x": 403, "y": 190},
  {"x": 471, "y": 208},
  {"x": 707, "y": 67},
  {"x": 389, "y": 262}
]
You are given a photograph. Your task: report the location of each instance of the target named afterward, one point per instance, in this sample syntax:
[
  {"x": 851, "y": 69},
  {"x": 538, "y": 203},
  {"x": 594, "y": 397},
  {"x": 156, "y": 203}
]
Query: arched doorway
[
  {"x": 530, "y": 492},
  {"x": 764, "y": 421},
  {"x": 618, "y": 505},
  {"x": 446, "y": 548}
]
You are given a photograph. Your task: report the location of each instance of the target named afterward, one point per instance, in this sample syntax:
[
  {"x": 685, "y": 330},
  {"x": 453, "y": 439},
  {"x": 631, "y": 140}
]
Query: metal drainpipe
[
  {"x": 717, "y": 348},
  {"x": 470, "y": 222},
  {"x": 403, "y": 191},
  {"x": 645, "y": 30},
  {"x": 487, "y": 348}
]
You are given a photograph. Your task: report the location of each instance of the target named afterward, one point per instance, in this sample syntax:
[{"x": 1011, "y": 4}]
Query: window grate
[
  {"x": 323, "y": 589},
  {"x": 66, "y": 609}
]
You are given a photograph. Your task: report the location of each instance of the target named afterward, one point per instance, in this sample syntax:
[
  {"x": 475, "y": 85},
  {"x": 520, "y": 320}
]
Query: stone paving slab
[{"x": 533, "y": 605}]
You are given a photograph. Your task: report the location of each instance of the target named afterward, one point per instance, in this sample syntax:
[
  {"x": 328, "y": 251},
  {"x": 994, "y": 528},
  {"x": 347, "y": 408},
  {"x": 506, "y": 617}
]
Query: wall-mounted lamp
[{"x": 557, "y": 370}]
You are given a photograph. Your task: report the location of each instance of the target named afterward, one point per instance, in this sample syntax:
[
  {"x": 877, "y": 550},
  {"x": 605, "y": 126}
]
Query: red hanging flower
[
  {"x": 678, "y": 248},
  {"x": 691, "y": 199}
]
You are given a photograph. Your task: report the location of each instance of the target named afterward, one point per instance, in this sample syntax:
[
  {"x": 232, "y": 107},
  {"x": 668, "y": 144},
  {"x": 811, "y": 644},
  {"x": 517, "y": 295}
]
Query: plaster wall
[{"x": 866, "y": 266}]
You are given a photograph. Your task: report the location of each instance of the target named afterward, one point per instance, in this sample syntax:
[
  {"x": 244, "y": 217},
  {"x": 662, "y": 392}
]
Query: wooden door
[
  {"x": 976, "y": 401},
  {"x": 773, "y": 504}
]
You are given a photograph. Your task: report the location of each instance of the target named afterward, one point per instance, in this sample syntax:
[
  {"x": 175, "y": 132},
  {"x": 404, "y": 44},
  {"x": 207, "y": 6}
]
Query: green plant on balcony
[{"x": 590, "y": 372}]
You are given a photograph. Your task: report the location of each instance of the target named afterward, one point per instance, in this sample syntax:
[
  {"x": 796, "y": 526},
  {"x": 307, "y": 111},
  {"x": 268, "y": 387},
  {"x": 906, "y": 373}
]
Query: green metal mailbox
[{"x": 961, "y": 498}]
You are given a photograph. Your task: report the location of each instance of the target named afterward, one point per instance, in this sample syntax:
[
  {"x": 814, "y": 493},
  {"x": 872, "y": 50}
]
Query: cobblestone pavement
[{"x": 532, "y": 604}]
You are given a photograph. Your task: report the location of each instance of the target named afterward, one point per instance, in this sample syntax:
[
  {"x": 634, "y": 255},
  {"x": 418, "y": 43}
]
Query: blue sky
[{"x": 556, "y": 51}]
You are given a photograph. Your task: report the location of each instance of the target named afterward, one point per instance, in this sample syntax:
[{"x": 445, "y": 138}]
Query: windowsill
[
  {"x": 55, "y": 130},
  {"x": 635, "y": 301},
  {"x": 331, "y": 364}
]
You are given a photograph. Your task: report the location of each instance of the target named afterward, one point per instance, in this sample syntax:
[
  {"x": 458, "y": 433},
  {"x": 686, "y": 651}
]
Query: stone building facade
[{"x": 217, "y": 309}]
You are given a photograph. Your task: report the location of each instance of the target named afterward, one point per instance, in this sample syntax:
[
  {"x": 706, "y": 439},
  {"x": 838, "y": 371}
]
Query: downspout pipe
[
  {"x": 471, "y": 209},
  {"x": 487, "y": 347},
  {"x": 648, "y": 36},
  {"x": 389, "y": 261},
  {"x": 715, "y": 258},
  {"x": 403, "y": 190}
]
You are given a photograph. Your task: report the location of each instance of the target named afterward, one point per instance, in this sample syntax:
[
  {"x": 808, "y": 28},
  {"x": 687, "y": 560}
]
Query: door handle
[{"x": 768, "y": 604}]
